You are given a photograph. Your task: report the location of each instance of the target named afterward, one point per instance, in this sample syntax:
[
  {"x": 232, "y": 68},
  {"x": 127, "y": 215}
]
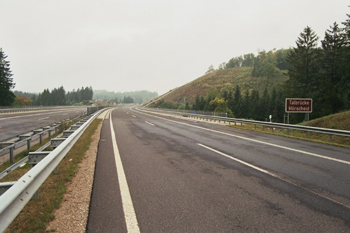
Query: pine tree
[
  {"x": 246, "y": 108},
  {"x": 6, "y": 82},
  {"x": 237, "y": 96},
  {"x": 332, "y": 62},
  {"x": 346, "y": 63},
  {"x": 304, "y": 65}
]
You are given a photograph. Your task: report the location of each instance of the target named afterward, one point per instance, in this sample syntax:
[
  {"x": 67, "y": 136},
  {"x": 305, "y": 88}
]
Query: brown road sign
[{"x": 297, "y": 105}]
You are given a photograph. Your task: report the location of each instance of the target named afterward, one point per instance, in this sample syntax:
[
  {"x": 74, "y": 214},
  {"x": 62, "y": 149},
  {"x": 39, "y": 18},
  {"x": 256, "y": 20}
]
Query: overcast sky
[{"x": 153, "y": 45}]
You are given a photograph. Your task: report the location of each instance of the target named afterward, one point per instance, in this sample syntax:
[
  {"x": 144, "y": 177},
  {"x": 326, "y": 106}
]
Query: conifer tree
[
  {"x": 304, "y": 65},
  {"x": 6, "y": 82},
  {"x": 346, "y": 63},
  {"x": 332, "y": 62}
]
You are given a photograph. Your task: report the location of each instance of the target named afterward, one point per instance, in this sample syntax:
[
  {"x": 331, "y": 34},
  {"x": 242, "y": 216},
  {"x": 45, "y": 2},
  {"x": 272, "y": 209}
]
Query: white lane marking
[
  {"x": 64, "y": 114},
  {"x": 253, "y": 140},
  {"x": 272, "y": 174},
  {"x": 133, "y": 116},
  {"x": 43, "y": 118},
  {"x": 238, "y": 160},
  {"x": 128, "y": 207},
  {"x": 149, "y": 123}
]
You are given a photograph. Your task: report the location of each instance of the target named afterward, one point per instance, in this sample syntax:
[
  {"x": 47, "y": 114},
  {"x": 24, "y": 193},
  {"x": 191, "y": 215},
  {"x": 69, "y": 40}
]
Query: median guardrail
[{"x": 21, "y": 191}]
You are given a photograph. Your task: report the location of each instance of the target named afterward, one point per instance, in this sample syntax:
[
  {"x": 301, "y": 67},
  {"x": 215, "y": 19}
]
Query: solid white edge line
[
  {"x": 128, "y": 207},
  {"x": 253, "y": 140}
]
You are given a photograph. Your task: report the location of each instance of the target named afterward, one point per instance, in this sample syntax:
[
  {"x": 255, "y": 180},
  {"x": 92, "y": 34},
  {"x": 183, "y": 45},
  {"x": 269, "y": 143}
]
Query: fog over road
[
  {"x": 13, "y": 124},
  {"x": 165, "y": 174}
]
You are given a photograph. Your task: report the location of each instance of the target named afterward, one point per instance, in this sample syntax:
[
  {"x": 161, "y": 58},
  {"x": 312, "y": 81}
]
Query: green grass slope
[
  {"x": 339, "y": 121},
  {"x": 226, "y": 79}
]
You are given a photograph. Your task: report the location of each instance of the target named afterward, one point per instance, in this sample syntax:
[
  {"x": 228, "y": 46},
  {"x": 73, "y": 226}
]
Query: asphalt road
[
  {"x": 165, "y": 174},
  {"x": 13, "y": 124}
]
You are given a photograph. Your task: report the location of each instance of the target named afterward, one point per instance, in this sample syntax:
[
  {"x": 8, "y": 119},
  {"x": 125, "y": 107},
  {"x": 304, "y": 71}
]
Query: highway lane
[
  {"x": 186, "y": 176},
  {"x": 13, "y": 124}
]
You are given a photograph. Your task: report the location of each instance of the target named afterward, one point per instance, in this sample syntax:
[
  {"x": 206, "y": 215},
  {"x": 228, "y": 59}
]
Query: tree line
[
  {"x": 125, "y": 97},
  {"x": 321, "y": 73},
  {"x": 55, "y": 97},
  {"x": 238, "y": 104}
]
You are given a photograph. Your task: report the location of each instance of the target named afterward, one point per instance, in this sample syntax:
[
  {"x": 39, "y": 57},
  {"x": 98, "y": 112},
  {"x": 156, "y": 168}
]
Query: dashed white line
[
  {"x": 149, "y": 123},
  {"x": 238, "y": 160},
  {"x": 133, "y": 116},
  {"x": 257, "y": 141},
  {"x": 273, "y": 175},
  {"x": 128, "y": 207},
  {"x": 43, "y": 118}
]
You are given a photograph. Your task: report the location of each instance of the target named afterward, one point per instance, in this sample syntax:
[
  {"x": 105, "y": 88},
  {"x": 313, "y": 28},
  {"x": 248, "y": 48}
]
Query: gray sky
[{"x": 153, "y": 45}]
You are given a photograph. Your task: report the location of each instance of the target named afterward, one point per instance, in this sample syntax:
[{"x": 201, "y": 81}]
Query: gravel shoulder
[{"x": 73, "y": 213}]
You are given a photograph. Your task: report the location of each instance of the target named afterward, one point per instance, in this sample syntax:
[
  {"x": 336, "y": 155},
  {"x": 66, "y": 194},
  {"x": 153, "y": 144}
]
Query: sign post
[{"x": 299, "y": 105}]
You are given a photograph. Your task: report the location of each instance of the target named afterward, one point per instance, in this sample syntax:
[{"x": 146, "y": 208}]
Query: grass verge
[
  {"x": 297, "y": 134},
  {"x": 37, "y": 213}
]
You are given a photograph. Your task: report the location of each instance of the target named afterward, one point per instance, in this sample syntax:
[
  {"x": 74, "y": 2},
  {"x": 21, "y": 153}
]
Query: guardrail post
[
  {"x": 36, "y": 195},
  {"x": 28, "y": 143},
  {"x": 10, "y": 146},
  {"x": 55, "y": 127},
  {"x": 40, "y": 132},
  {"x": 307, "y": 134},
  {"x": 11, "y": 154},
  {"x": 254, "y": 126},
  {"x": 330, "y": 138},
  {"x": 27, "y": 138}
]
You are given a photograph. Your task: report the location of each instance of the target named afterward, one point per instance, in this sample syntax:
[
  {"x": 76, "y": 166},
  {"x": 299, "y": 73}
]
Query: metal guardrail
[
  {"x": 25, "y": 159},
  {"x": 15, "y": 198},
  {"x": 11, "y": 109},
  {"x": 271, "y": 125},
  {"x": 20, "y": 140}
]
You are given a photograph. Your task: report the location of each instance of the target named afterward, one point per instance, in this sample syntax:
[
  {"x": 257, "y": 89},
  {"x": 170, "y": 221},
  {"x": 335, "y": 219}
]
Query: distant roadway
[
  {"x": 13, "y": 124},
  {"x": 156, "y": 173}
]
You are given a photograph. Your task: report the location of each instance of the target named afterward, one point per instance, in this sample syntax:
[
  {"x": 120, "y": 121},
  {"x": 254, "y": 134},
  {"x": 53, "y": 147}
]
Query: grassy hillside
[
  {"x": 336, "y": 121},
  {"x": 226, "y": 79},
  {"x": 339, "y": 121}
]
